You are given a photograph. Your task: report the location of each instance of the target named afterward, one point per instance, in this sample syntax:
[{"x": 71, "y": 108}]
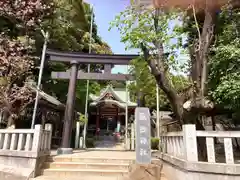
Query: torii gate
[{"x": 73, "y": 74}]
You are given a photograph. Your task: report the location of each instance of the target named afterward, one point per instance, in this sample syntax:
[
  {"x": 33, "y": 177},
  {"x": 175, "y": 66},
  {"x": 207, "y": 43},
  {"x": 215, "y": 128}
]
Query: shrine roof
[
  {"x": 45, "y": 98},
  {"x": 119, "y": 97}
]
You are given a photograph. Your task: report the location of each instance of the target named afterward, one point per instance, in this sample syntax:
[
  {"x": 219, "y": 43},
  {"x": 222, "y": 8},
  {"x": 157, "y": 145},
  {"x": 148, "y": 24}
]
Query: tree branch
[
  {"x": 164, "y": 84},
  {"x": 197, "y": 25},
  {"x": 206, "y": 40}
]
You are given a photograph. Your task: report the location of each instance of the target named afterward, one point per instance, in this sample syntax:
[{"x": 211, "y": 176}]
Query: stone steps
[
  {"x": 90, "y": 160},
  {"x": 83, "y": 165},
  {"x": 79, "y": 178},
  {"x": 96, "y": 165},
  {"x": 86, "y": 173},
  {"x": 82, "y": 168}
]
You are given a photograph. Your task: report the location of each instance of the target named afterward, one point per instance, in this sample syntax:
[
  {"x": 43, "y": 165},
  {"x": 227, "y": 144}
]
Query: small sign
[{"x": 143, "y": 135}]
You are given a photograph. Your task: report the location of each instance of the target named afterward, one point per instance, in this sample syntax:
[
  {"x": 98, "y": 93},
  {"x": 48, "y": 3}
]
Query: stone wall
[{"x": 19, "y": 167}]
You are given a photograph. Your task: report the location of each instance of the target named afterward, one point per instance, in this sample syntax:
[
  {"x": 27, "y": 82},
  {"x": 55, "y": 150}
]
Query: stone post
[
  {"x": 77, "y": 134},
  {"x": 190, "y": 142},
  {"x": 97, "y": 122},
  {"x": 48, "y": 127},
  {"x": 37, "y": 138}
]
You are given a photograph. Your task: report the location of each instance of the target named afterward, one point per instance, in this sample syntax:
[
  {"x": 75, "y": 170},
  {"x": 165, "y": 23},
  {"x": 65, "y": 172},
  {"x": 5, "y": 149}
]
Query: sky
[{"x": 105, "y": 12}]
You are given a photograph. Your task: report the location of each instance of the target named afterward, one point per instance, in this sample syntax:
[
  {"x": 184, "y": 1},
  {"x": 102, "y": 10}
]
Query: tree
[
  {"x": 148, "y": 29},
  {"x": 19, "y": 20},
  {"x": 69, "y": 31},
  {"x": 68, "y": 23},
  {"x": 15, "y": 69},
  {"x": 23, "y": 16}
]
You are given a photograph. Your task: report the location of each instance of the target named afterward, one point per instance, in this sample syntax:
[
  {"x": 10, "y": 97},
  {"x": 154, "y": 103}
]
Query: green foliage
[
  {"x": 155, "y": 143},
  {"x": 90, "y": 142},
  {"x": 67, "y": 26},
  {"x": 146, "y": 83},
  {"x": 82, "y": 119},
  {"x": 224, "y": 77},
  {"x": 228, "y": 90},
  {"x": 136, "y": 26},
  {"x": 69, "y": 29},
  {"x": 81, "y": 90},
  {"x": 139, "y": 25}
]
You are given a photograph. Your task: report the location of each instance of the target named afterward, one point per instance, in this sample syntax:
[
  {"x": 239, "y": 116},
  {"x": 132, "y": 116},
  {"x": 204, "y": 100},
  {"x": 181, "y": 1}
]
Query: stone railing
[
  {"x": 46, "y": 137},
  {"x": 227, "y": 136},
  {"x": 20, "y": 141},
  {"x": 181, "y": 159},
  {"x": 23, "y": 151},
  {"x": 173, "y": 144}
]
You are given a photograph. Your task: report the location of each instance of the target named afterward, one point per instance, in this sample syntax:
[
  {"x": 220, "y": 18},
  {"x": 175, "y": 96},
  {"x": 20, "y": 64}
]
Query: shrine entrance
[{"x": 75, "y": 59}]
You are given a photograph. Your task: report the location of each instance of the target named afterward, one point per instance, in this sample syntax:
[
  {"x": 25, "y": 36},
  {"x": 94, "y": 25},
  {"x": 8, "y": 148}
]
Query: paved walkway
[
  {"x": 96, "y": 153},
  {"x": 109, "y": 143}
]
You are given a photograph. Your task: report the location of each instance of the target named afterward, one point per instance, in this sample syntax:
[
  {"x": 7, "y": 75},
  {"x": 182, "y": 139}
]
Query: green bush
[
  {"x": 154, "y": 143},
  {"x": 90, "y": 142}
]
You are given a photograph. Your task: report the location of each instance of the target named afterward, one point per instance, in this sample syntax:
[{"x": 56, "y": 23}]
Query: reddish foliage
[
  {"x": 15, "y": 67},
  {"x": 16, "y": 62},
  {"x": 28, "y": 13}
]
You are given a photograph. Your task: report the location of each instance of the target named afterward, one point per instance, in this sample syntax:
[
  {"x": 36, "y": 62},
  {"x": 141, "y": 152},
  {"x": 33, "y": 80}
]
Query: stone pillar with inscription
[{"x": 143, "y": 136}]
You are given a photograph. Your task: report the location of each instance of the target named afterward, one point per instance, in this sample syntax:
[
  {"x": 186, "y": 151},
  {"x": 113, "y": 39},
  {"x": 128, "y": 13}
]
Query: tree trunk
[
  {"x": 11, "y": 122},
  {"x": 214, "y": 127},
  {"x": 201, "y": 143}
]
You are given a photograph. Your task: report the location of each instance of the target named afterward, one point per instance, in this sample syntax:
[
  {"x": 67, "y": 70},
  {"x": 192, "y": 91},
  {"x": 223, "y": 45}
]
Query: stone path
[{"x": 109, "y": 143}]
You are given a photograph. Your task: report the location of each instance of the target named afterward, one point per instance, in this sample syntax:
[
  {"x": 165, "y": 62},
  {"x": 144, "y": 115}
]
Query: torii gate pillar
[{"x": 69, "y": 111}]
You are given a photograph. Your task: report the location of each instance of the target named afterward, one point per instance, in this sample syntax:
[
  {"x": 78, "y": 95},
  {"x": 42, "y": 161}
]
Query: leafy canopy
[
  {"x": 140, "y": 25},
  {"x": 224, "y": 77}
]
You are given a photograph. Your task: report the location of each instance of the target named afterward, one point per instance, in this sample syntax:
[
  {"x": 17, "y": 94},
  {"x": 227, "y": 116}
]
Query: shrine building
[{"x": 107, "y": 112}]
